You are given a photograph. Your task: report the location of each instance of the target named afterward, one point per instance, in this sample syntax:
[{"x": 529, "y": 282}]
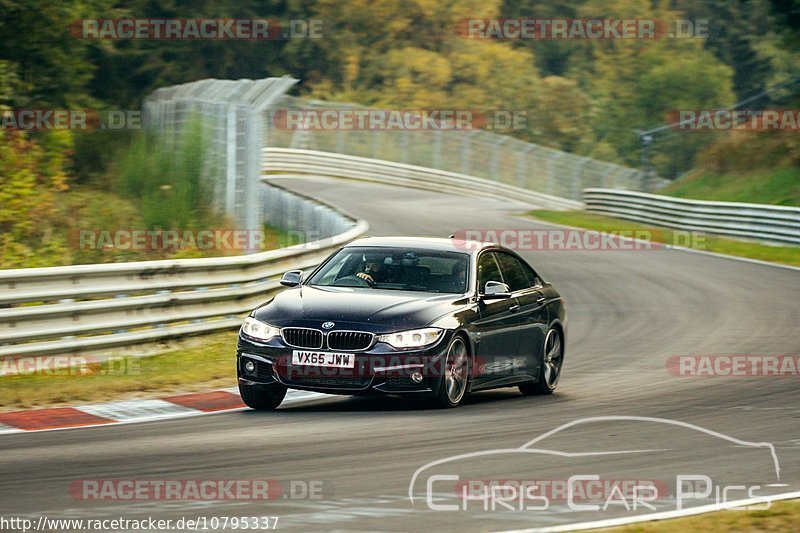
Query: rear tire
[
  {"x": 455, "y": 375},
  {"x": 551, "y": 366},
  {"x": 262, "y": 397}
]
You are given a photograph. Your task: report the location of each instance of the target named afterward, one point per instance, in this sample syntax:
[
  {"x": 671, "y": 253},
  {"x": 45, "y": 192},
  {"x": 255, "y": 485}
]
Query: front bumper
[{"x": 378, "y": 370}]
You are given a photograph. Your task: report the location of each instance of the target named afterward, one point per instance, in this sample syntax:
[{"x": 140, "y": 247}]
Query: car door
[
  {"x": 496, "y": 331},
  {"x": 532, "y": 314}
]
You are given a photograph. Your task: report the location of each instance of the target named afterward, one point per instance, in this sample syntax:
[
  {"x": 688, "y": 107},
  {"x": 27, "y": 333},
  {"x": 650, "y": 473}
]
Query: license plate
[{"x": 330, "y": 359}]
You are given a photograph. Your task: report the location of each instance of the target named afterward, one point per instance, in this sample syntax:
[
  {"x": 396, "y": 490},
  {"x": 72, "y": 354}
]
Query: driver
[{"x": 373, "y": 270}]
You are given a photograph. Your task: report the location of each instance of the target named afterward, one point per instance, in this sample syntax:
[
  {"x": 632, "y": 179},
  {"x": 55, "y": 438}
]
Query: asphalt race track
[{"x": 629, "y": 312}]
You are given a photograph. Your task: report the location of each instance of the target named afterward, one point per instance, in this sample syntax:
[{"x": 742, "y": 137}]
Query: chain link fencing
[
  {"x": 472, "y": 152},
  {"x": 238, "y": 118},
  {"x": 230, "y": 113}
]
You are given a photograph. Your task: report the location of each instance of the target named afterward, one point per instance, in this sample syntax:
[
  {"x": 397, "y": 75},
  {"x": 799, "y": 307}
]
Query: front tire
[
  {"x": 551, "y": 366},
  {"x": 455, "y": 375},
  {"x": 262, "y": 397}
]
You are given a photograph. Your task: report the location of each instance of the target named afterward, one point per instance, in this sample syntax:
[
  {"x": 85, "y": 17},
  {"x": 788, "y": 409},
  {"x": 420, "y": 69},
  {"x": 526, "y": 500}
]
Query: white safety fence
[
  {"x": 311, "y": 162},
  {"x": 475, "y": 152},
  {"x": 769, "y": 223}
]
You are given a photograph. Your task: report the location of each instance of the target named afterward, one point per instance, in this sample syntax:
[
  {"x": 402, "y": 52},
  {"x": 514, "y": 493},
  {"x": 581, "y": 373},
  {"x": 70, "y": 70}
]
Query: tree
[{"x": 52, "y": 66}]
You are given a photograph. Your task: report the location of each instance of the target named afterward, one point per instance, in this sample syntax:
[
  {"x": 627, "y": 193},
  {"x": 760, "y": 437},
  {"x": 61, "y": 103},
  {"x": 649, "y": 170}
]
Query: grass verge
[
  {"x": 779, "y": 186},
  {"x": 781, "y": 516},
  {"x": 202, "y": 363},
  {"x": 789, "y": 255}
]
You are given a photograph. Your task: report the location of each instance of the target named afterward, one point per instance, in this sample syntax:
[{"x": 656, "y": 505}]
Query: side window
[
  {"x": 517, "y": 275},
  {"x": 487, "y": 270}
]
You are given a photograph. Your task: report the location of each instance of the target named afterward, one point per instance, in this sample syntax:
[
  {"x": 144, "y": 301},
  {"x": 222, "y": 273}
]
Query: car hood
[{"x": 375, "y": 310}]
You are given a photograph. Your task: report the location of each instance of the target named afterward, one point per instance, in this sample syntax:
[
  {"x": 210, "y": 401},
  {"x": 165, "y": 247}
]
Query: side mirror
[
  {"x": 292, "y": 278},
  {"x": 495, "y": 290}
]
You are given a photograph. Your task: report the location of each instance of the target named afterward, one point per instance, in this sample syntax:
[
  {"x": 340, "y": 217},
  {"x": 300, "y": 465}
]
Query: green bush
[{"x": 163, "y": 177}]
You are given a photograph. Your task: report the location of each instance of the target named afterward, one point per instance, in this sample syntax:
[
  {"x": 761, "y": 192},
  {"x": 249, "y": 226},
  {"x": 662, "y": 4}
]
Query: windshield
[{"x": 402, "y": 269}]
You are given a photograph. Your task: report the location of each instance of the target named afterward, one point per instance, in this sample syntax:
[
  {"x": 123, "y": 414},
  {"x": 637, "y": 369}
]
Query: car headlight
[
  {"x": 259, "y": 330},
  {"x": 413, "y": 338}
]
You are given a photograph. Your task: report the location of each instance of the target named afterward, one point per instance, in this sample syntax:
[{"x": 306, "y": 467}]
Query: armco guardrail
[
  {"x": 86, "y": 308},
  {"x": 312, "y": 162},
  {"x": 769, "y": 223}
]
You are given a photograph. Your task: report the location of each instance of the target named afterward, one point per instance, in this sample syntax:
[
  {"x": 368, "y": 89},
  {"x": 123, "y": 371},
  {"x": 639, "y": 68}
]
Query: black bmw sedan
[{"x": 437, "y": 318}]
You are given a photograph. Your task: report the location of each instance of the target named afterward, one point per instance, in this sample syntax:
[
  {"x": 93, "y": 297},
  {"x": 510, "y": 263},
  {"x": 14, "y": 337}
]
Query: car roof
[{"x": 424, "y": 243}]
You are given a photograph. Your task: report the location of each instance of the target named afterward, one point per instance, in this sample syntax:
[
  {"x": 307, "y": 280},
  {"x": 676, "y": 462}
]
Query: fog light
[
  {"x": 416, "y": 377},
  {"x": 250, "y": 367}
]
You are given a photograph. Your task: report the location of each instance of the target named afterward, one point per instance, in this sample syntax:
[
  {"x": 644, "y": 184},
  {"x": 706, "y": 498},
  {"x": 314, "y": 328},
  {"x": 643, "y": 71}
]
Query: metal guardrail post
[
  {"x": 436, "y": 155},
  {"x": 577, "y": 180},
  {"x": 466, "y": 139},
  {"x": 522, "y": 166},
  {"x": 551, "y": 172},
  {"x": 494, "y": 172}
]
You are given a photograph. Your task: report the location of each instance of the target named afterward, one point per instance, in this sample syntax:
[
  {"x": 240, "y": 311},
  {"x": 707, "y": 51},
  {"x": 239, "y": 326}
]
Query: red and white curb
[{"x": 129, "y": 411}]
